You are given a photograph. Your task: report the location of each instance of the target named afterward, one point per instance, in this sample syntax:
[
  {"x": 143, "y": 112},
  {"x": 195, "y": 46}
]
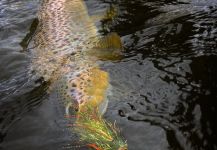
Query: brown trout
[{"x": 67, "y": 49}]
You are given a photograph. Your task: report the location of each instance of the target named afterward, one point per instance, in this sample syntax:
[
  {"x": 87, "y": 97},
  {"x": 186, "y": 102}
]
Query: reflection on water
[{"x": 163, "y": 92}]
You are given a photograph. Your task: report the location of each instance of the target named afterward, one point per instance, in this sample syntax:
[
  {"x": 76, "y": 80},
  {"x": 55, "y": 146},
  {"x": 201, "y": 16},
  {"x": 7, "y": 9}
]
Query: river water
[{"x": 163, "y": 91}]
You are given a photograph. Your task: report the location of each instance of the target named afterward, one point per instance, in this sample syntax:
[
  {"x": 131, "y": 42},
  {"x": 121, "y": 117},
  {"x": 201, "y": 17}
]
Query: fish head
[{"x": 87, "y": 88}]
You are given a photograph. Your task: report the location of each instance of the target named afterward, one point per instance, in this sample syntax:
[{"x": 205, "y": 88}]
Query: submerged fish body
[
  {"x": 67, "y": 48},
  {"x": 65, "y": 33},
  {"x": 64, "y": 29}
]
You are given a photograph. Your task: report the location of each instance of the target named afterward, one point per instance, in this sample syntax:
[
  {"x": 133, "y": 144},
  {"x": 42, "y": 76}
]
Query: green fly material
[{"x": 95, "y": 130}]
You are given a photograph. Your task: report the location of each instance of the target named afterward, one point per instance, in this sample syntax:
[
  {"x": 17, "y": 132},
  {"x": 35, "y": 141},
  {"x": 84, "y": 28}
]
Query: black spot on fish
[
  {"x": 76, "y": 39},
  {"x": 81, "y": 102},
  {"x": 74, "y": 85},
  {"x": 73, "y": 53}
]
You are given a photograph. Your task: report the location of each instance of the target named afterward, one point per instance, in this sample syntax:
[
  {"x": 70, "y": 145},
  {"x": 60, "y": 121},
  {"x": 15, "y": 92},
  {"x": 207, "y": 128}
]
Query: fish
[{"x": 66, "y": 54}]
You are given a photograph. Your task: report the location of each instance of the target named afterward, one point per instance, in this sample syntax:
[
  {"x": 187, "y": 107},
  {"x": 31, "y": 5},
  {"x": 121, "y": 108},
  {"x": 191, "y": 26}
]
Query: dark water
[{"x": 164, "y": 90}]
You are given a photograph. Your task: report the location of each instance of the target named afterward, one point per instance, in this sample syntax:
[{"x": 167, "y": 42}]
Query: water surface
[{"x": 163, "y": 91}]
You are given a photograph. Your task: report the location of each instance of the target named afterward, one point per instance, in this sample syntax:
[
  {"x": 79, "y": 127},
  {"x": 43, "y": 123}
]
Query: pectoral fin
[{"x": 107, "y": 48}]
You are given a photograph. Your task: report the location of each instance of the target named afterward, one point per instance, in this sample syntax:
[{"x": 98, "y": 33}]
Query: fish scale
[
  {"x": 65, "y": 37},
  {"x": 66, "y": 43}
]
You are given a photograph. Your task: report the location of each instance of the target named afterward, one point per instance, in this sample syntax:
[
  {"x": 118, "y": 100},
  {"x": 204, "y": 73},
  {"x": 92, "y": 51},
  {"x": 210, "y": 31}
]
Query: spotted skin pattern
[
  {"x": 87, "y": 87},
  {"x": 64, "y": 29},
  {"x": 64, "y": 54}
]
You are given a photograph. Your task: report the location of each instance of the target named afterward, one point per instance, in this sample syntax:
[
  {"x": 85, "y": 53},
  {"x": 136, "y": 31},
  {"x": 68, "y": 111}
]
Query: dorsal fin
[{"x": 108, "y": 14}]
